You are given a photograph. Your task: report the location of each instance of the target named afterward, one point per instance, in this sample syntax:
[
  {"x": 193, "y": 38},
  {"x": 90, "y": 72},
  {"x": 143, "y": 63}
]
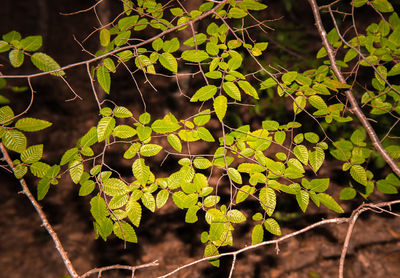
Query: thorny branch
[{"x": 354, "y": 104}]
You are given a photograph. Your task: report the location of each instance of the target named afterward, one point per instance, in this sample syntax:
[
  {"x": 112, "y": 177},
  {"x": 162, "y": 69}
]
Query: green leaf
[
  {"x": 220, "y": 106},
  {"x": 115, "y": 187},
  {"x": 31, "y": 124},
  {"x": 165, "y": 126},
  {"x": 43, "y": 188},
  {"x": 243, "y": 193},
  {"x": 124, "y": 231},
  {"x": 317, "y": 102},
  {"x": 358, "y": 137},
  {"x": 301, "y": 152},
  {"x": 104, "y": 37},
  {"x": 11, "y": 36},
  {"x": 191, "y": 214},
  {"x": 122, "y": 112},
  {"x": 235, "y": 175},
  {"x": 311, "y": 137},
  {"x": 16, "y": 58},
  {"x": 14, "y": 140},
  {"x": 104, "y": 78},
  {"x": 76, "y": 170},
  {"x": 257, "y": 234},
  {"x": 319, "y": 185},
  {"x": 4, "y": 46},
  {"x": 272, "y": 226},
  {"x": 87, "y": 187},
  {"x": 6, "y": 113},
  {"x": 248, "y": 88},
  {"x": 280, "y": 137},
  {"x": 124, "y": 131},
  {"x": 202, "y": 118},
  {"x": 358, "y": 3},
  {"x": 232, "y": 90},
  {"x": 395, "y": 70},
  {"x": 105, "y": 128},
  {"x": 205, "y": 135},
  {"x": 267, "y": 198},
  {"x": 303, "y": 199},
  {"x": 204, "y": 93},
  {"x": 236, "y": 216},
  {"x": 316, "y": 158},
  {"x": 210, "y": 251},
  {"x": 175, "y": 142},
  {"x": 252, "y": 5},
  {"x": 141, "y": 171},
  {"x": 330, "y": 203},
  {"x": 20, "y": 171},
  {"x": 45, "y": 63},
  {"x": 98, "y": 208},
  {"x": 162, "y": 198},
  {"x": 385, "y": 187},
  {"x": 32, "y": 154},
  {"x": 168, "y": 61},
  {"x": 171, "y": 45},
  {"x": 299, "y": 104},
  {"x": 39, "y": 169},
  {"x": 31, "y": 43},
  {"x": 383, "y": 6},
  {"x": 134, "y": 212},
  {"x": 126, "y": 23},
  {"x": 194, "y": 56},
  {"x": 148, "y": 201},
  {"x": 89, "y": 138},
  {"x": 202, "y": 163},
  {"x": 358, "y": 173},
  {"x": 347, "y": 193},
  {"x": 211, "y": 201},
  {"x": 236, "y": 13},
  {"x": 150, "y": 149}
]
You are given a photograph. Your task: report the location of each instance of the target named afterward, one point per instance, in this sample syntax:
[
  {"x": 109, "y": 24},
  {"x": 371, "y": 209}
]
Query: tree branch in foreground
[{"x": 354, "y": 104}]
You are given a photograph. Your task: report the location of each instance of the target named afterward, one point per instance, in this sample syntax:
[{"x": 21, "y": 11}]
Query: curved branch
[
  {"x": 354, "y": 104},
  {"x": 99, "y": 270}
]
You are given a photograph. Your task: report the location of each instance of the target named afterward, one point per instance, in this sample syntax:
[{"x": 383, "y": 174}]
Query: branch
[
  {"x": 352, "y": 220},
  {"x": 42, "y": 216},
  {"x": 117, "y": 266},
  {"x": 354, "y": 104}
]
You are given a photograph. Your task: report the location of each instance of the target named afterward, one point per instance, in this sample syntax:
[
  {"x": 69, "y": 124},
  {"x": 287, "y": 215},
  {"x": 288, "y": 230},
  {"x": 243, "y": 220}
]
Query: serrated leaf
[
  {"x": 39, "y": 169},
  {"x": 124, "y": 131},
  {"x": 122, "y": 112},
  {"x": 235, "y": 175},
  {"x": 31, "y": 124},
  {"x": 115, "y": 187},
  {"x": 45, "y": 63},
  {"x": 303, "y": 199},
  {"x": 202, "y": 163},
  {"x": 210, "y": 251},
  {"x": 205, "y": 135},
  {"x": 134, "y": 212},
  {"x": 267, "y": 198},
  {"x": 280, "y": 137},
  {"x": 257, "y": 234},
  {"x": 168, "y": 61},
  {"x": 204, "y": 93},
  {"x": 76, "y": 170},
  {"x": 105, "y": 128},
  {"x": 89, "y": 138},
  {"x": 272, "y": 226},
  {"x": 175, "y": 142},
  {"x": 385, "y": 187},
  {"x": 358, "y": 173},
  {"x": 165, "y": 126},
  {"x": 6, "y": 113},
  {"x": 118, "y": 201},
  {"x": 220, "y": 106},
  {"x": 316, "y": 158},
  {"x": 319, "y": 185},
  {"x": 243, "y": 193},
  {"x": 330, "y": 203},
  {"x": 141, "y": 171},
  {"x": 104, "y": 78},
  {"x": 98, "y": 208},
  {"x": 299, "y": 104},
  {"x": 236, "y": 13},
  {"x": 191, "y": 214},
  {"x": 16, "y": 58},
  {"x": 14, "y": 140},
  {"x": 124, "y": 231},
  {"x": 87, "y": 187},
  {"x": 301, "y": 152},
  {"x": 43, "y": 188},
  {"x": 317, "y": 102},
  {"x": 162, "y": 198},
  {"x": 383, "y": 6},
  {"x": 236, "y": 216},
  {"x": 232, "y": 90},
  {"x": 195, "y": 56},
  {"x": 68, "y": 156},
  {"x": 248, "y": 88},
  {"x": 211, "y": 201},
  {"x": 32, "y": 154},
  {"x": 20, "y": 171},
  {"x": 148, "y": 201},
  {"x": 31, "y": 43},
  {"x": 150, "y": 149}
]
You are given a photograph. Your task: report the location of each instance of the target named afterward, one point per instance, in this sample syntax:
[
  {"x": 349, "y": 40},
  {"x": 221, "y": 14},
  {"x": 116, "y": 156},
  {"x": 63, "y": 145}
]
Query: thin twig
[
  {"x": 43, "y": 217},
  {"x": 117, "y": 266},
  {"x": 354, "y": 104}
]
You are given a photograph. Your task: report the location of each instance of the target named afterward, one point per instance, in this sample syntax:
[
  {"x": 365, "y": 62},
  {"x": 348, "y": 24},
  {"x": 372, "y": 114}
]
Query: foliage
[{"x": 255, "y": 162}]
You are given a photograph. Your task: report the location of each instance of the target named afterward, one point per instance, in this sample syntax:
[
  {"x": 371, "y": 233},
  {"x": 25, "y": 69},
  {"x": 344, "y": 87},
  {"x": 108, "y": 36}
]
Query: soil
[{"x": 26, "y": 250}]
